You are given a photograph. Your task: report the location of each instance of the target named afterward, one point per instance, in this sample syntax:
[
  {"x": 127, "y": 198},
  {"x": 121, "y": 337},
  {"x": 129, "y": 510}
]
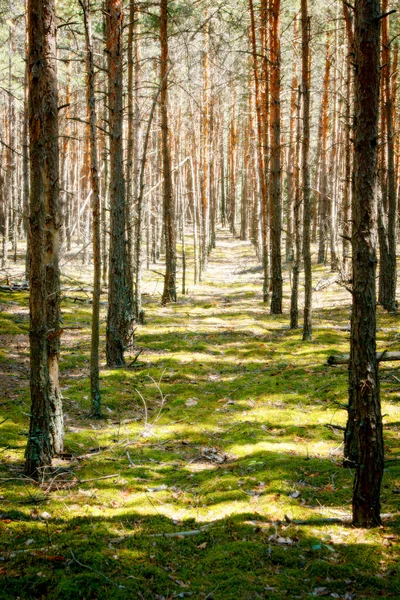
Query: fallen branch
[
  {"x": 98, "y": 478},
  {"x": 345, "y": 520},
  {"x": 182, "y": 533},
  {"x": 345, "y": 358},
  {"x": 333, "y": 427},
  {"x": 135, "y": 357}
]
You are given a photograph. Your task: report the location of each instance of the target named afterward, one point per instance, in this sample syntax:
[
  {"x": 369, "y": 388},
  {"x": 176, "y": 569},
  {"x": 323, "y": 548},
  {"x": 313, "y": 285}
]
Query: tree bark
[
  {"x": 275, "y": 158},
  {"x": 119, "y": 317},
  {"x": 364, "y": 440},
  {"x": 42, "y": 101},
  {"x": 305, "y": 84},
  {"x": 389, "y": 272},
  {"x": 169, "y": 292},
  {"x": 95, "y": 395}
]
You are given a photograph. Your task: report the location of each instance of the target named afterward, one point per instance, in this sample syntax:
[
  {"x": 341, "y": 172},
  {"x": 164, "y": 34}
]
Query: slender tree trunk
[
  {"x": 323, "y": 223},
  {"x": 260, "y": 156},
  {"x": 275, "y": 160},
  {"x": 119, "y": 316},
  {"x": 347, "y": 140},
  {"x": 305, "y": 83},
  {"x": 25, "y": 165},
  {"x": 294, "y": 310},
  {"x": 389, "y": 296},
  {"x": 290, "y": 152},
  {"x": 95, "y": 186},
  {"x": 169, "y": 293},
  {"x": 364, "y": 441},
  {"x": 131, "y": 174},
  {"x": 334, "y": 157}
]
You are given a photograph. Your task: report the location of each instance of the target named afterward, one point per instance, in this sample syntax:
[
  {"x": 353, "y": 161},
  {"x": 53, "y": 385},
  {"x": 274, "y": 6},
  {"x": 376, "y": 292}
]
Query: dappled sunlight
[{"x": 226, "y": 433}]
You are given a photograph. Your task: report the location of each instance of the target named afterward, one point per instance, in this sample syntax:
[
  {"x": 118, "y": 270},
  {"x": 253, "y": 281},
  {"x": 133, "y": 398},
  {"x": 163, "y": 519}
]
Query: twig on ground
[
  {"x": 98, "y": 478},
  {"x": 182, "y": 533},
  {"x": 135, "y": 357}
]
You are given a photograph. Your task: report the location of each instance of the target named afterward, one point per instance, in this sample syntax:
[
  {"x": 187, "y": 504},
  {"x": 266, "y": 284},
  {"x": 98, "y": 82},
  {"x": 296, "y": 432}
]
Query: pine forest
[{"x": 199, "y": 327}]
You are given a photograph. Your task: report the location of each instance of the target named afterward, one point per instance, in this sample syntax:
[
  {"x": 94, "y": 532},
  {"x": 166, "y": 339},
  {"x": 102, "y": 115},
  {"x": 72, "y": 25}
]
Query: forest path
[{"x": 233, "y": 268}]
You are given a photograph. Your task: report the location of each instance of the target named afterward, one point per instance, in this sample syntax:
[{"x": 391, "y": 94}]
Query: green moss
[{"x": 253, "y": 453}]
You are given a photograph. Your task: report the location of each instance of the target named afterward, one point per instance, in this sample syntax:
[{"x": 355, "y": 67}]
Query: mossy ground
[{"x": 255, "y": 450}]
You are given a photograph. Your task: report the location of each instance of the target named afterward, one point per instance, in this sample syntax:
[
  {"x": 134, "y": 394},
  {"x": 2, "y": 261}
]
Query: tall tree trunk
[
  {"x": 347, "y": 140},
  {"x": 25, "y": 163},
  {"x": 169, "y": 292},
  {"x": 389, "y": 272},
  {"x": 305, "y": 84},
  {"x": 131, "y": 174},
  {"x": 205, "y": 147},
  {"x": 275, "y": 159},
  {"x": 260, "y": 156},
  {"x": 294, "y": 310},
  {"x": 119, "y": 317},
  {"x": 53, "y": 226},
  {"x": 290, "y": 152},
  {"x": 323, "y": 216},
  {"x": 364, "y": 441},
  {"x": 95, "y": 187},
  {"x": 334, "y": 156},
  {"x": 42, "y": 113}
]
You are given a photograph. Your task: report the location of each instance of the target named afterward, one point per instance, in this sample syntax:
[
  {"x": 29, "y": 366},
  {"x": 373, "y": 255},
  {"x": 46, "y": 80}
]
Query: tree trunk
[
  {"x": 275, "y": 158},
  {"x": 169, "y": 292},
  {"x": 347, "y": 141},
  {"x": 53, "y": 226},
  {"x": 42, "y": 101},
  {"x": 364, "y": 441},
  {"x": 389, "y": 272},
  {"x": 260, "y": 156},
  {"x": 119, "y": 316},
  {"x": 294, "y": 310},
  {"x": 305, "y": 84},
  {"x": 95, "y": 187},
  {"x": 323, "y": 213}
]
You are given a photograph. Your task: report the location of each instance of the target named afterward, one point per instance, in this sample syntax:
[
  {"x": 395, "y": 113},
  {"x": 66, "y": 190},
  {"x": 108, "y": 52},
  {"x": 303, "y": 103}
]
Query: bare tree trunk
[
  {"x": 364, "y": 441},
  {"x": 169, "y": 293},
  {"x": 275, "y": 160},
  {"x": 323, "y": 223},
  {"x": 95, "y": 395},
  {"x": 347, "y": 140},
  {"x": 294, "y": 310},
  {"x": 42, "y": 113},
  {"x": 260, "y": 156},
  {"x": 305, "y": 83},
  {"x": 25, "y": 164},
  {"x": 119, "y": 316},
  {"x": 334, "y": 157},
  {"x": 131, "y": 174},
  {"x": 388, "y": 273},
  {"x": 291, "y": 165}
]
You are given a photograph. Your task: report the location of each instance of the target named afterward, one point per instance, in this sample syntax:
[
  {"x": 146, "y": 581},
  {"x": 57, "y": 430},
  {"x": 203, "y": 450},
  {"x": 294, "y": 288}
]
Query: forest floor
[{"x": 216, "y": 472}]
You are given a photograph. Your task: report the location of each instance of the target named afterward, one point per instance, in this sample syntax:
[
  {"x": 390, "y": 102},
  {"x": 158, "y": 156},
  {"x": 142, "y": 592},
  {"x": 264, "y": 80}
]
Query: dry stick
[
  {"x": 182, "y": 533},
  {"x": 98, "y": 478},
  {"x": 380, "y": 356},
  {"x": 134, "y": 359}
]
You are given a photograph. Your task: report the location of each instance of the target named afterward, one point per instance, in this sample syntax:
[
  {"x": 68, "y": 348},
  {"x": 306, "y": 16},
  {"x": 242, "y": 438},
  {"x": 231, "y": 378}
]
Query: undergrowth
[{"x": 226, "y": 433}]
